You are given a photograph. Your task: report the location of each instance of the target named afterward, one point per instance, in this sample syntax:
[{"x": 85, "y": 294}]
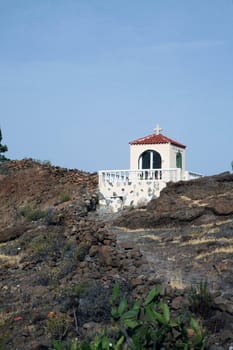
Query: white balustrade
[
  {"x": 126, "y": 176},
  {"x": 190, "y": 175}
]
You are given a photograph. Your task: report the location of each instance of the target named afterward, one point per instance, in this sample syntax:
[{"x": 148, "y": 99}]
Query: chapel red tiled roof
[{"x": 156, "y": 139}]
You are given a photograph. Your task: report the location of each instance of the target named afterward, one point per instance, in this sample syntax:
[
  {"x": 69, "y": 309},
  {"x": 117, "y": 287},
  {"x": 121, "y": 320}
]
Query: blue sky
[{"x": 79, "y": 79}]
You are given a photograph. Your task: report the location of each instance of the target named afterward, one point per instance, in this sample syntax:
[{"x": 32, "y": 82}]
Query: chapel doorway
[{"x": 149, "y": 160}]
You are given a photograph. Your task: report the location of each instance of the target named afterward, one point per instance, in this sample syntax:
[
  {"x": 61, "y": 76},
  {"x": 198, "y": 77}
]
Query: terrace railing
[{"x": 126, "y": 176}]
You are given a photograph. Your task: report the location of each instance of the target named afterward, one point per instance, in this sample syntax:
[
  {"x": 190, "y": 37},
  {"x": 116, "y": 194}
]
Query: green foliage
[
  {"x": 149, "y": 325},
  {"x": 46, "y": 162},
  {"x": 32, "y": 214},
  {"x": 3, "y": 340},
  {"x": 81, "y": 251},
  {"x": 64, "y": 197},
  {"x": 143, "y": 326},
  {"x": 57, "y": 326},
  {"x": 5, "y": 322},
  {"x": 102, "y": 342},
  {"x": 46, "y": 246},
  {"x": 201, "y": 299},
  {"x": 54, "y": 217},
  {"x": 153, "y": 295},
  {"x": 42, "y": 162},
  {"x": 81, "y": 288},
  {"x": 3, "y": 149},
  {"x": 198, "y": 334},
  {"x": 58, "y": 345}
]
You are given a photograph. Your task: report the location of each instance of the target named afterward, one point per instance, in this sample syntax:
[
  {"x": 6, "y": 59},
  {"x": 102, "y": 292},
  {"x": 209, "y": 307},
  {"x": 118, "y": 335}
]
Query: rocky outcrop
[
  {"x": 31, "y": 184},
  {"x": 199, "y": 201}
]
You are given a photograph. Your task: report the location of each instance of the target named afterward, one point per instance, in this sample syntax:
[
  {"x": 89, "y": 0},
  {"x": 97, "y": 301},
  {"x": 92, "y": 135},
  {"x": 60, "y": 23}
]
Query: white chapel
[{"x": 155, "y": 160}]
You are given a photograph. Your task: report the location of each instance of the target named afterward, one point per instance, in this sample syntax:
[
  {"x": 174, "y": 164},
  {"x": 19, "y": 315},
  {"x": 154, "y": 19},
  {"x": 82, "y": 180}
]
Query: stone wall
[{"x": 115, "y": 196}]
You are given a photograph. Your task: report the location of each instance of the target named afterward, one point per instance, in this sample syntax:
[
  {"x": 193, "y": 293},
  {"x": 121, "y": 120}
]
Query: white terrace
[{"x": 155, "y": 160}]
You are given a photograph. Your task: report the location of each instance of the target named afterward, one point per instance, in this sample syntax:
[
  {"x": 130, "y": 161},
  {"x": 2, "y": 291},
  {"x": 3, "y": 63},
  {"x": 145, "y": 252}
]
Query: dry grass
[
  {"x": 9, "y": 260},
  {"x": 124, "y": 229},
  {"x": 4, "y": 316},
  {"x": 217, "y": 223},
  {"x": 197, "y": 202},
  {"x": 222, "y": 250},
  {"x": 207, "y": 240},
  {"x": 153, "y": 237}
]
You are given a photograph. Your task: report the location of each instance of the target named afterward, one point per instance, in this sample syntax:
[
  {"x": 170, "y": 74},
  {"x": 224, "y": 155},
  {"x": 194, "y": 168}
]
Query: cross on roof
[{"x": 157, "y": 129}]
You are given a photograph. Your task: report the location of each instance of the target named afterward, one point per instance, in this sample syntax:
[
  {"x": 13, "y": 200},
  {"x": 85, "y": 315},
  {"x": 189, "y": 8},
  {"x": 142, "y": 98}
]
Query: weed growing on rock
[
  {"x": 47, "y": 246},
  {"x": 4, "y": 328},
  {"x": 3, "y": 318},
  {"x": 32, "y": 214},
  {"x": 64, "y": 197},
  {"x": 81, "y": 251},
  {"x": 40, "y": 162},
  {"x": 82, "y": 287},
  {"x": 53, "y": 217},
  {"x": 57, "y": 325},
  {"x": 3, "y": 341},
  {"x": 200, "y": 299},
  {"x": 44, "y": 277},
  {"x": 65, "y": 268}
]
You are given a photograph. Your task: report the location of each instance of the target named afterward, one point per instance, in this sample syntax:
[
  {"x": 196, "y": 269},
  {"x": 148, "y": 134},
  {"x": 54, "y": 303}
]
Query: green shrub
[
  {"x": 41, "y": 162},
  {"x": 64, "y": 197},
  {"x": 45, "y": 246},
  {"x": 150, "y": 325},
  {"x": 54, "y": 217},
  {"x": 143, "y": 325},
  {"x": 57, "y": 326},
  {"x": 200, "y": 299},
  {"x": 81, "y": 251},
  {"x": 41, "y": 249},
  {"x": 32, "y": 214},
  {"x": 5, "y": 322},
  {"x": 81, "y": 288}
]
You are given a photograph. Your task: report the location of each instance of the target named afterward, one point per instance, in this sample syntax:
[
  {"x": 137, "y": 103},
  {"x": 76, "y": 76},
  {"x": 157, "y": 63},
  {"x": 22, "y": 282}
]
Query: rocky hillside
[
  {"x": 187, "y": 237},
  {"x": 41, "y": 186},
  {"x": 60, "y": 259},
  {"x": 56, "y": 258}
]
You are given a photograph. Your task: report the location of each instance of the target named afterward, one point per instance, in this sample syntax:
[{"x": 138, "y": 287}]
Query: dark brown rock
[
  {"x": 177, "y": 303},
  {"x": 184, "y": 202},
  {"x": 105, "y": 255}
]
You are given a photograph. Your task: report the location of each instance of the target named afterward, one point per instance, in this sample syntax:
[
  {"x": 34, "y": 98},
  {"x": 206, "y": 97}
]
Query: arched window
[
  {"x": 179, "y": 160},
  {"x": 149, "y": 160}
]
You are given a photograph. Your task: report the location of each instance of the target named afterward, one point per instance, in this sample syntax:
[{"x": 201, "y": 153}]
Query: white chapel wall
[
  {"x": 162, "y": 149},
  {"x": 173, "y": 152}
]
